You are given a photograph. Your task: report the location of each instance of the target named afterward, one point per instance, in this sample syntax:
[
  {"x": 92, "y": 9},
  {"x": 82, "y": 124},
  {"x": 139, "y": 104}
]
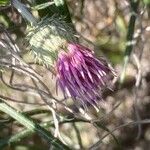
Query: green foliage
[
  {"x": 4, "y": 2},
  {"x": 42, "y": 6},
  {"x": 31, "y": 125},
  {"x": 147, "y": 2}
]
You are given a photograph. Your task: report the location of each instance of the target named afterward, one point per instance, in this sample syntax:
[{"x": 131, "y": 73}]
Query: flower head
[{"x": 81, "y": 75}]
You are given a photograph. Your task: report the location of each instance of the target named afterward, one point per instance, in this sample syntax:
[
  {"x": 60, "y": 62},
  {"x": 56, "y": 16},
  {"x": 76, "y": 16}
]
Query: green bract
[{"x": 49, "y": 37}]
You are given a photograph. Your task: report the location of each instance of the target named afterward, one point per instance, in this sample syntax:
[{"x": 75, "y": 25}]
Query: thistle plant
[{"x": 79, "y": 74}]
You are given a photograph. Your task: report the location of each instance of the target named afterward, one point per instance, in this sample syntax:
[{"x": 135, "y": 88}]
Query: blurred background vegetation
[{"x": 117, "y": 29}]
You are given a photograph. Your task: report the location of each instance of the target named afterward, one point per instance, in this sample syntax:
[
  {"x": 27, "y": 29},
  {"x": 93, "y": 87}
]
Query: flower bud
[{"x": 49, "y": 37}]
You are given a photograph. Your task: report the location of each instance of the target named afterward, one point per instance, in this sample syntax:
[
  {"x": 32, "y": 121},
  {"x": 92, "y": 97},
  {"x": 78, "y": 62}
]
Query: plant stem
[
  {"x": 27, "y": 132},
  {"x": 130, "y": 42},
  {"x": 24, "y": 12},
  {"x": 78, "y": 135},
  {"x": 32, "y": 126},
  {"x": 20, "y": 135}
]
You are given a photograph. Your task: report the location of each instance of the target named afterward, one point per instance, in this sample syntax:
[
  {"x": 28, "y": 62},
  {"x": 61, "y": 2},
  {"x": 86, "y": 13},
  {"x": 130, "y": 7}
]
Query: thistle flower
[{"x": 81, "y": 75}]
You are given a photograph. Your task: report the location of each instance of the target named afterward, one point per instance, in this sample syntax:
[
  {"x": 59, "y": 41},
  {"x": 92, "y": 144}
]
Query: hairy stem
[
  {"x": 24, "y": 12},
  {"x": 130, "y": 42}
]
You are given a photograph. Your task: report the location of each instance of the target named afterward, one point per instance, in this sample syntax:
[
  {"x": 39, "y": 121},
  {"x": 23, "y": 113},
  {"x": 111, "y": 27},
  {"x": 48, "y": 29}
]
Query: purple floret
[{"x": 81, "y": 75}]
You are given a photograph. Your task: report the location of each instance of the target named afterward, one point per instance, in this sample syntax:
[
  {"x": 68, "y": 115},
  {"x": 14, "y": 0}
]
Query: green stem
[
  {"x": 26, "y": 132},
  {"x": 78, "y": 135},
  {"x": 32, "y": 126},
  {"x": 29, "y": 113},
  {"x": 15, "y": 138},
  {"x": 129, "y": 44},
  {"x": 24, "y": 12},
  {"x": 19, "y": 136}
]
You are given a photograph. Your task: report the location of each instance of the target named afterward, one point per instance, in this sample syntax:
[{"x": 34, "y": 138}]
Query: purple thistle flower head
[{"x": 81, "y": 75}]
